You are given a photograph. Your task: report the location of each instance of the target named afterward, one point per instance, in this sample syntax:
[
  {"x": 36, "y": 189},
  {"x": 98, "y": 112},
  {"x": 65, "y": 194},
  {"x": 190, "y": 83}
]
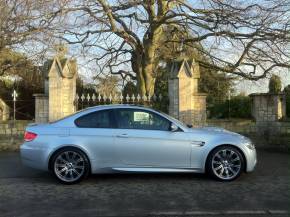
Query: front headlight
[{"x": 250, "y": 145}]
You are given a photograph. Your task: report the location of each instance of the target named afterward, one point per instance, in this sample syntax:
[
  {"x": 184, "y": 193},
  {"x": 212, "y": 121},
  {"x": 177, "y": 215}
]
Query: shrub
[
  {"x": 287, "y": 92},
  {"x": 275, "y": 84},
  {"x": 238, "y": 107},
  {"x": 288, "y": 105}
]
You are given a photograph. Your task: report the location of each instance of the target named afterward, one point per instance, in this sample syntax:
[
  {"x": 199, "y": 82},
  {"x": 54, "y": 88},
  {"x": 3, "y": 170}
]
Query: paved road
[{"x": 27, "y": 193}]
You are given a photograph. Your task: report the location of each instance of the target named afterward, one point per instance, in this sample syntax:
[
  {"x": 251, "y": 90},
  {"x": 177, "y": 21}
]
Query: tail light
[{"x": 29, "y": 136}]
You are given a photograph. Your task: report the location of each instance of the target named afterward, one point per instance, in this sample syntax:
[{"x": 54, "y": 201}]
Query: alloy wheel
[
  {"x": 226, "y": 164},
  {"x": 69, "y": 166}
]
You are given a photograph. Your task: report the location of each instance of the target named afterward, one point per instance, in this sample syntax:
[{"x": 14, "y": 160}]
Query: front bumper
[
  {"x": 251, "y": 157},
  {"x": 34, "y": 156}
]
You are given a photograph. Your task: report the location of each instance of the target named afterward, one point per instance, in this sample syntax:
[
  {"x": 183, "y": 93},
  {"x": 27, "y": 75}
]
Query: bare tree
[
  {"x": 107, "y": 86},
  {"x": 24, "y": 21},
  {"x": 245, "y": 38}
]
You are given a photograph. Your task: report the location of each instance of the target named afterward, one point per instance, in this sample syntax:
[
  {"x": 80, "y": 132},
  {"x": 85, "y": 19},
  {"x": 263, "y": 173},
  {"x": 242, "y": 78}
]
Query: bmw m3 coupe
[{"x": 126, "y": 138}]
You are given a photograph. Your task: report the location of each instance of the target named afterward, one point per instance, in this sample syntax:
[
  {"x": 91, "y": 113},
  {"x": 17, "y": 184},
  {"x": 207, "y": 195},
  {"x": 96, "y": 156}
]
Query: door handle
[{"x": 123, "y": 135}]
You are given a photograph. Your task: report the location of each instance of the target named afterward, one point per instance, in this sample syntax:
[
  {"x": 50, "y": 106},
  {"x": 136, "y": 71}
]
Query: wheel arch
[
  {"x": 64, "y": 147},
  {"x": 218, "y": 146}
]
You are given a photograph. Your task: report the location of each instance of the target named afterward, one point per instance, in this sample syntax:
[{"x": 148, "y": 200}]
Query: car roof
[
  {"x": 103, "y": 107},
  {"x": 99, "y": 107},
  {"x": 68, "y": 121}
]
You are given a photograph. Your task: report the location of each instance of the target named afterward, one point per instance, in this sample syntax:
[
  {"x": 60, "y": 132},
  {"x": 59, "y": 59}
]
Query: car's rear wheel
[
  {"x": 225, "y": 163},
  {"x": 70, "y": 165}
]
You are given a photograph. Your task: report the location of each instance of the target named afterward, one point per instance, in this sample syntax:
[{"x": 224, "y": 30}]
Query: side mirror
[{"x": 173, "y": 127}]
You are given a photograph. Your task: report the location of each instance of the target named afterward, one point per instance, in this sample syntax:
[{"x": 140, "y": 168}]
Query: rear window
[{"x": 99, "y": 119}]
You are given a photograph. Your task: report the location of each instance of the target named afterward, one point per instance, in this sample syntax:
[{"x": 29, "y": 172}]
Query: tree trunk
[
  {"x": 136, "y": 61},
  {"x": 144, "y": 72},
  {"x": 143, "y": 62},
  {"x": 145, "y": 79},
  {"x": 149, "y": 80}
]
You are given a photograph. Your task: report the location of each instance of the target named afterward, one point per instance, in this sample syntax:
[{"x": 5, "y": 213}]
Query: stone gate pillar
[
  {"x": 41, "y": 108},
  {"x": 4, "y": 111},
  {"x": 268, "y": 110},
  {"x": 268, "y": 107},
  {"x": 60, "y": 89},
  {"x": 185, "y": 103},
  {"x": 61, "y": 77}
]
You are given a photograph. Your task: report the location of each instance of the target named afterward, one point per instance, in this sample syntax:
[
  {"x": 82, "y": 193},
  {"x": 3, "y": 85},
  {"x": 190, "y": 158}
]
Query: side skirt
[{"x": 157, "y": 170}]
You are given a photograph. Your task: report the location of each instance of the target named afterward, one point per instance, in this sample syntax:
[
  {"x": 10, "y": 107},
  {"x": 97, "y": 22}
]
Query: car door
[
  {"x": 95, "y": 132},
  {"x": 144, "y": 139}
]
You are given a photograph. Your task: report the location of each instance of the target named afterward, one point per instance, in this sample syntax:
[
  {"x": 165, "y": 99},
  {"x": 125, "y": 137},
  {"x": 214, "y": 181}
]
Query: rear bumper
[{"x": 34, "y": 156}]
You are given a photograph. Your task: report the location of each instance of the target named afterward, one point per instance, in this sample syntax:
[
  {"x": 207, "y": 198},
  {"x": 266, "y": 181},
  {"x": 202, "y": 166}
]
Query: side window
[
  {"x": 141, "y": 119},
  {"x": 99, "y": 119}
]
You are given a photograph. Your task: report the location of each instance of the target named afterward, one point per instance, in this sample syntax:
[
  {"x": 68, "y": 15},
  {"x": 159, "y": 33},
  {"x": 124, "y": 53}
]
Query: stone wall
[
  {"x": 277, "y": 135},
  {"x": 274, "y": 134},
  {"x": 11, "y": 134},
  {"x": 245, "y": 126}
]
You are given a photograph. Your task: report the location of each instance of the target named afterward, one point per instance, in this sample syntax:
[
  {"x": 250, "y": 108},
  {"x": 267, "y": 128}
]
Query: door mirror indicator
[{"x": 173, "y": 127}]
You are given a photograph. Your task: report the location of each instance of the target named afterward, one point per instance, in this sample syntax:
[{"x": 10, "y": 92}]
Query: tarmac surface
[{"x": 25, "y": 192}]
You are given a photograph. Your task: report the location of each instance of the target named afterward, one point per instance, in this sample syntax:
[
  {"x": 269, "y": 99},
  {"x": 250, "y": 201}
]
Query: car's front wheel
[
  {"x": 225, "y": 163},
  {"x": 70, "y": 165}
]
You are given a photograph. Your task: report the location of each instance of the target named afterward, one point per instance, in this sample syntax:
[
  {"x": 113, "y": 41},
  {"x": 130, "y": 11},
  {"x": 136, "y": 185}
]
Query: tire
[
  {"x": 70, "y": 165},
  {"x": 225, "y": 163}
]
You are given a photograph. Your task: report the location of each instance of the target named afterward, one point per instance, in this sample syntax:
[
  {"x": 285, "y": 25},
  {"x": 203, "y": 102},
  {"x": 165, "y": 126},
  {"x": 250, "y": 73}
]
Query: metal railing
[{"x": 91, "y": 99}]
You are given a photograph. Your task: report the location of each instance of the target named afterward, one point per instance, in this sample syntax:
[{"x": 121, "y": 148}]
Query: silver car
[{"x": 126, "y": 138}]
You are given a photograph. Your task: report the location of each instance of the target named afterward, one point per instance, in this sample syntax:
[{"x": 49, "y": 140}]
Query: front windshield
[{"x": 175, "y": 120}]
